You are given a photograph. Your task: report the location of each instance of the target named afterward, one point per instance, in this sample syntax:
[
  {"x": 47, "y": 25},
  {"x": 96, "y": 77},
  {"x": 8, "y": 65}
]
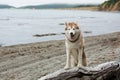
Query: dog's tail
[{"x": 84, "y": 62}]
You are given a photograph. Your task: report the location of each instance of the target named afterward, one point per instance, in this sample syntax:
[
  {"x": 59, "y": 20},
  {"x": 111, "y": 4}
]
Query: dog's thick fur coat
[{"x": 74, "y": 46}]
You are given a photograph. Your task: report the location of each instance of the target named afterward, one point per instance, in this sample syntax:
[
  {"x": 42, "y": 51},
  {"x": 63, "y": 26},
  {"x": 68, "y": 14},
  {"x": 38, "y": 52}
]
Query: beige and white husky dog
[{"x": 74, "y": 46}]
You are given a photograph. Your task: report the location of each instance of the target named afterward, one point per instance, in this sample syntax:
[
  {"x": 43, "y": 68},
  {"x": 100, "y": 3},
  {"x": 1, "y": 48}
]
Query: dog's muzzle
[{"x": 71, "y": 35}]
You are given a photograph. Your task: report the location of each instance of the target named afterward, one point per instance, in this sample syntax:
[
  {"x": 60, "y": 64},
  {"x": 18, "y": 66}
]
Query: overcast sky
[{"x": 19, "y": 3}]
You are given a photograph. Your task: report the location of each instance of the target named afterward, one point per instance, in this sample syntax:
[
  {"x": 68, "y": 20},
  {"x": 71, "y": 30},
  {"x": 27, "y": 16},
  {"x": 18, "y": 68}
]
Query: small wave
[
  {"x": 87, "y": 32},
  {"x": 5, "y": 19},
  {"x": 21, "y": 24},
  {"x": 83, "y": 17}
]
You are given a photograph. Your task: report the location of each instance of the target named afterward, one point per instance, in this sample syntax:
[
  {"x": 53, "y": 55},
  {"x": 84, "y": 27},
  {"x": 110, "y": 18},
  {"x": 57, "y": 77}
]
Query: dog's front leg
[
  {"x": 79, "y": 57},
  {"x": 84, "y": 62},
  {"x": 68, "y": 59},
  {"x": 82, "y": 58},
  {"x": 74, "y": 58}
]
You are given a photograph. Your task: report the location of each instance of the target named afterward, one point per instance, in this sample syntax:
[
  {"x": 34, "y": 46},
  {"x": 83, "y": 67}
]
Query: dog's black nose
[{"x": 71, "y": 33}]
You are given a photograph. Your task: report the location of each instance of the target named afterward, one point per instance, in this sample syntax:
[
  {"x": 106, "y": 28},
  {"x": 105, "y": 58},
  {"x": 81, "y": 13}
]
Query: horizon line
[{"x": 52, "y": 3}]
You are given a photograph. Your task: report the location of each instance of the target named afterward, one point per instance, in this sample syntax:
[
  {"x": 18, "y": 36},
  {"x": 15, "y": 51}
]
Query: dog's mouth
[{"x": 72, "y": 36}]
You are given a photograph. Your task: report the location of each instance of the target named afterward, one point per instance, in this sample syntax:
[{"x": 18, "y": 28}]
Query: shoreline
[
  {"x": 34, "y": 60},
  {"x": 80, "y": 8},
  {"x": 49, "y": 35},
  {"x": 93, "y": 8}
]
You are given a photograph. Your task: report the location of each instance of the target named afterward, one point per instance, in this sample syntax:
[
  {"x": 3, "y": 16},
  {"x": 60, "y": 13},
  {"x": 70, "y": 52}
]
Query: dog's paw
[
  {"x": 66, "y": 67},
  {"x": 79, "y": 66}
]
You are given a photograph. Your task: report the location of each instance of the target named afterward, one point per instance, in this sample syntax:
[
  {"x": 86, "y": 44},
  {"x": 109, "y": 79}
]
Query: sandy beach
[
  {"x": 81, "y": 8},
  {"x": 33, "y": 60}
]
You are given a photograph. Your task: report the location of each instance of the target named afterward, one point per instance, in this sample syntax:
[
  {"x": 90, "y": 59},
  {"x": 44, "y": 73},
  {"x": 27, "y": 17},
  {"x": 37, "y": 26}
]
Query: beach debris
[
  {"x": 63, "y": 33},
  {"x": 42, "y": 35},
  {"x": 49, "y": 34},
  {"x": 61, "y": 23},
  {"x": 104, "y": 71},
  {"x": 87, "y": 32}
]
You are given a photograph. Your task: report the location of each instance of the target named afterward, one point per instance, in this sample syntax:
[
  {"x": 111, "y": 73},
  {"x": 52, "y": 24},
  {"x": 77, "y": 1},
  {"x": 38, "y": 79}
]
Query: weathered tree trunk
[{"x": 105, "y": 71}]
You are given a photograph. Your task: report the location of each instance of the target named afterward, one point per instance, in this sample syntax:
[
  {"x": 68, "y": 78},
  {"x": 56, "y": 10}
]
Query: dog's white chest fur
[{"x": 71, "y": 45}]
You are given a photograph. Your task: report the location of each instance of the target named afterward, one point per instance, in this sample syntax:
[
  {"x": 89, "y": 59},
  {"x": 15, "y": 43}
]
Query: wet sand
[{"x": 31, "y": 61}]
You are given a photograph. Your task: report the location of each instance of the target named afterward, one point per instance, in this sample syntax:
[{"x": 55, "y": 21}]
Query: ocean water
[{"x": 17, "y": 26}]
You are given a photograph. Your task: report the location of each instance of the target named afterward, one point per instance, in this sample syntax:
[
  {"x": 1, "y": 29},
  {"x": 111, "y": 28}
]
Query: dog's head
[{"x": 72, "y": 31}]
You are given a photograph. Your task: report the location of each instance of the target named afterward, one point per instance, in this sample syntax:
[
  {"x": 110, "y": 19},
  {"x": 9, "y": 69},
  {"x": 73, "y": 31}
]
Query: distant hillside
[
  {"x": 110, "y": 5},
  {"x": 87, "y": 5},
  {"x": 48, "y": 6},
  {"x": 2, "y": 6},
  {"x": 53, "y": 6}
]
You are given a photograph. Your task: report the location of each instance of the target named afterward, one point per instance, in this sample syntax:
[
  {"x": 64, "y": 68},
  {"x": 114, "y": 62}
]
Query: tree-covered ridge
[
  {"x": 5, "y": 6},
  {"x": 110, "y": 5}
]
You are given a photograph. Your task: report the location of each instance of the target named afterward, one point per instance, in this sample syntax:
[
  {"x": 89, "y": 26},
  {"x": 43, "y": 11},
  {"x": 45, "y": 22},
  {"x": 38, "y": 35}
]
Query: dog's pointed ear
[
  {"x": 66, "y": 25},
  {"x": 77, "y": 27}
]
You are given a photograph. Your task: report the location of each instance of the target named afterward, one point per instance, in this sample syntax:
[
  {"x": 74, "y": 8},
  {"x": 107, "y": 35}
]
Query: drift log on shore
[{"x": 105, "y": 71}]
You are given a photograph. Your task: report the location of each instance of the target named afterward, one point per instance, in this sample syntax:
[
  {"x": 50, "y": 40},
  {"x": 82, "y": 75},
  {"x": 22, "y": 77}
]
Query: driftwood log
[{"x": 105, "y": 71}]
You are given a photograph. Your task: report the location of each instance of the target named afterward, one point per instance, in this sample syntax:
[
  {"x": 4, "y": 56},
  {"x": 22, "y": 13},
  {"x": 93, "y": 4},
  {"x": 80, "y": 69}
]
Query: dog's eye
[{"x": 73, "y": 28}]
